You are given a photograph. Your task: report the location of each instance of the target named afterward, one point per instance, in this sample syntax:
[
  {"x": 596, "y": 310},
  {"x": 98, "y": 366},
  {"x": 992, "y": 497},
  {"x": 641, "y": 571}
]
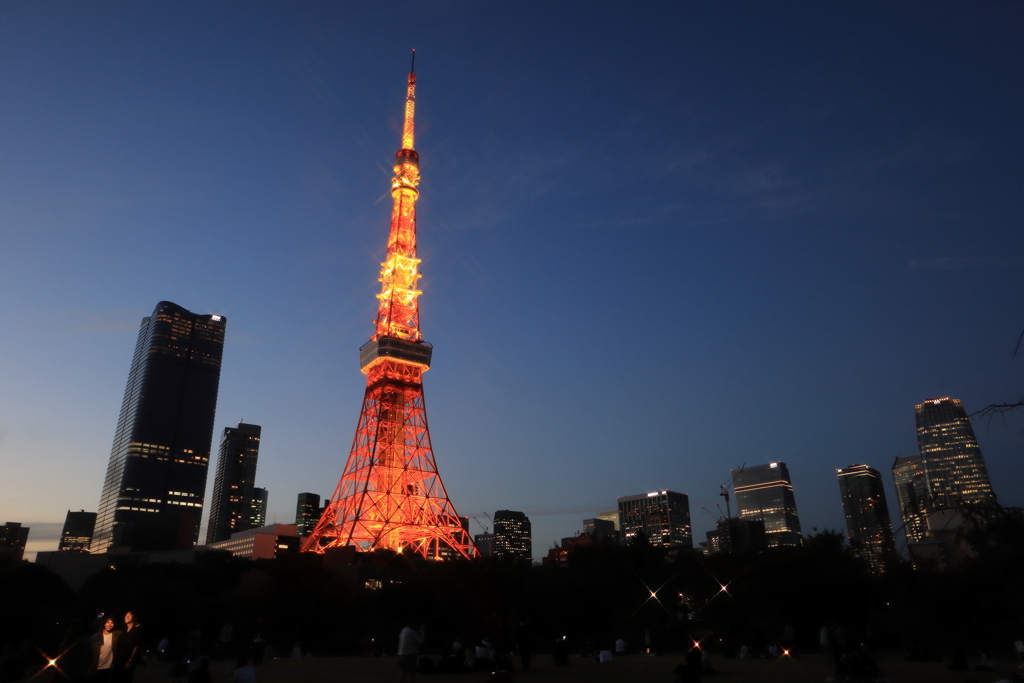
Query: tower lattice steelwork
[{"x": 390, "y": 494}]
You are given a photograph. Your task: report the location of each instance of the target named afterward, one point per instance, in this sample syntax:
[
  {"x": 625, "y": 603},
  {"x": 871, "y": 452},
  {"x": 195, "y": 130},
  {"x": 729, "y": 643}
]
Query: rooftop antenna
[{"x": 413, "y": 69}]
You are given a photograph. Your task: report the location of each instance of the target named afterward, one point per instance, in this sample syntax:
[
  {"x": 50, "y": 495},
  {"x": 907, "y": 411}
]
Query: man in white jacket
[{"x": 409, "y": 641}]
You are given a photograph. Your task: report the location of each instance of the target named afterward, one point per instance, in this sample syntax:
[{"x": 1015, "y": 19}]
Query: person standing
[
  {"x": 104, "y": 645},
  {"x": 409, "y": 641},
  {"x": 128, "y": 650},
  {"x": 525, "y": 644},
  {"x": 828, "y": 644},
  {"x": 243, "y": 673}
]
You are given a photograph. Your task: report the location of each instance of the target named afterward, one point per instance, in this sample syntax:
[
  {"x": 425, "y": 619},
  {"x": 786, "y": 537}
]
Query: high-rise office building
[
  {"x": 732, "y": 535},
  {"x": 610, "y": 515},
  {"x": 867, "y": 515},
  {"x": 599, "y": 528},
  {"x": 77, "y": 533},
  {"x": 230, "y": 508},
  {"x": 662, "y": 516},
  {"x": 484, "y": 543},
  {"x": 765, "y": 492},
  {"x": 911, "y": 495},
  {"x": 307, "y": 512},
  {"x": 258, "y": 508},
  {"x": 156, "y": 477},
  {"x": 954, "y": 470},
  {"x": 513, "y": 535},
  {"x": 13, "y": 539}
]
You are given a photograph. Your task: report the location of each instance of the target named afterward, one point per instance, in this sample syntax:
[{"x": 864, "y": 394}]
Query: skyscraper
[
  {"x": 236, "y": 476},
  {"x": 156, "y": 477},
  {"x": 662, "y": 516},
  {"x": 13, "y": 539},
  {"x": 307, "y": 513},
  {"x": 732, "y": 535},
  {"x": 867, "y": 515},
  {"x": 765, "y": 492},
  {"x": 484, "y": 543},
  {"x": 611, "y": 516},
  {"x": 258, "y": 508},
  {"x": 911, "y": 495},
  {"x": 953, "y": 467},
  {"x": 513, "y": 535},
  {"x": 599, "y": 528},
  {"x": 77, "y": 533}
]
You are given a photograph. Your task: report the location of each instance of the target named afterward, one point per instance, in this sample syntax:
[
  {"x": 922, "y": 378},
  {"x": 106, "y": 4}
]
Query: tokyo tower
[{"x": 390, "y": 494}]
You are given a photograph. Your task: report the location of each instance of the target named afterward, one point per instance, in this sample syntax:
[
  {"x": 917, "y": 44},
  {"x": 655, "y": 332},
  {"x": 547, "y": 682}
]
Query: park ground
[{"x": 641, "y": 669}]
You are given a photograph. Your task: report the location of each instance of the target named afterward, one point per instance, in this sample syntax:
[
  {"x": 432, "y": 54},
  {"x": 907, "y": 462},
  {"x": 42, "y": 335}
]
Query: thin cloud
[
  {"x": 108, "y": 327},
  {"x": 961, "y": 263}
]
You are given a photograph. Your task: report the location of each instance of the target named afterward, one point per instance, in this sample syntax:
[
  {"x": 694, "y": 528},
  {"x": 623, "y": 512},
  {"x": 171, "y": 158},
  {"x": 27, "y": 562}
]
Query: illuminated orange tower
[{"x": 390, "y": 495}]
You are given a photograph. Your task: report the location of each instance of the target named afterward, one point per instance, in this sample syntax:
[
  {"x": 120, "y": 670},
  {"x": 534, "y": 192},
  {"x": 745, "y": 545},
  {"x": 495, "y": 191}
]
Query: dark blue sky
[{"x": 658, "y": 242}]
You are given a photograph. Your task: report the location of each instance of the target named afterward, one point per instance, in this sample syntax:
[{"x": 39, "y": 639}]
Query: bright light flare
[
  {"x": 52, "y": 662},
  {"x": 785, "y": 653}
]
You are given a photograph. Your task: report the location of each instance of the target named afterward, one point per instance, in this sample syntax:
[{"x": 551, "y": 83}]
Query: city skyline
[{"x": 832, "y": 238}]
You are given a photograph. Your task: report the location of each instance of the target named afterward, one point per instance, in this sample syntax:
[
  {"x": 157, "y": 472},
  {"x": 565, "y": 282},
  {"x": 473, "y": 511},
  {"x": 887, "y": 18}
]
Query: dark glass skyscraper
[
  {"x": 258, "y": 508},
  {"x": 13, "y": 539},
  {"x": 765, "y": 492},
  {"x": 513, "y": 535},
  {"x": 307, "y": 512},
  {"x": 732, "y": 535},
  {"x": 156, "y": 478},
  {"x": 953, "y": 467},
  {"x": 230, "y": 509},
  {"x": 867, "y": 515},
  {"x": 911, "y": 495},
  {"x": 77, "y": 533},
  {"x": 662, "y": 516}
]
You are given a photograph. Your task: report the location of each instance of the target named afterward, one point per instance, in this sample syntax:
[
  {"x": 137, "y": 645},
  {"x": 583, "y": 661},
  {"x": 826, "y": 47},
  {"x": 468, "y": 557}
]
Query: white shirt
[
  {"x": 106, "y": 652},
  {"x": 245, "y": 674},
  {"x": 409, "y": 641}
]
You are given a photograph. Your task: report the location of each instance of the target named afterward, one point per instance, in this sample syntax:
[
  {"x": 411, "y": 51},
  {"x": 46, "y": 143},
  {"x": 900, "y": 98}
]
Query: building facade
[
  {"x": 13, "y": 539},
  {"x": 599, "y": 528},
  {"x": 662, "y": 516},
  {"x": 263, "y": 543},
  {"x": 231, "y": 507},
  {"x": 307, "y": 512},
  {"x": 765, "y": 492},
  {"x": 610, "y": 515},
  {"x": 484, "y": 544},
  {"x": 867, "y": 515},
  {"x": 77, "y": 533},
  {"x": 156, "y": 478},
  {"x": 258, "y": 508},
  {"x": 513, "y": 535},
  {"x": 911, "y": 495},
  {"x": 733, "y": 535},
  {"x": 954, "y": 470}
]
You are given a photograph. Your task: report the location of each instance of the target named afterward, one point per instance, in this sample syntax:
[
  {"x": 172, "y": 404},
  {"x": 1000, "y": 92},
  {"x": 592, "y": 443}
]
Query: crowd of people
[{"x": 113, "y": 648}]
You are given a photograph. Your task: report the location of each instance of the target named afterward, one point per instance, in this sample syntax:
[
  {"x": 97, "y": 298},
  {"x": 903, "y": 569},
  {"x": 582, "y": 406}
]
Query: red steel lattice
[{"x": 390, "y": 494}]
